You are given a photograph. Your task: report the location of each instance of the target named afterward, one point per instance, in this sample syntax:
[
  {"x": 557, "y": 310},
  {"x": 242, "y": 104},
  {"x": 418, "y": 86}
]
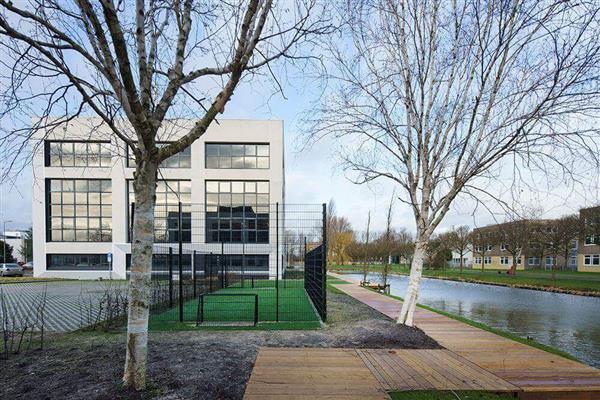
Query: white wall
[{"x": 247, "y": 131}]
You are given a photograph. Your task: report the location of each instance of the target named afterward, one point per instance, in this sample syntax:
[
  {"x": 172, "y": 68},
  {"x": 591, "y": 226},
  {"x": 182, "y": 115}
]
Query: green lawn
[
  {"x": 566, "y": 280},
  {"x": 447, "y": 395},
  {"x": 233, "y": 304}
]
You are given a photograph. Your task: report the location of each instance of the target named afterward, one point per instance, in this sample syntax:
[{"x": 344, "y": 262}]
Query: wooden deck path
[
  {"x": 300, "y": 373},
  {"x": 345, "y": 374},
  {"x": 531, "y": 369}
]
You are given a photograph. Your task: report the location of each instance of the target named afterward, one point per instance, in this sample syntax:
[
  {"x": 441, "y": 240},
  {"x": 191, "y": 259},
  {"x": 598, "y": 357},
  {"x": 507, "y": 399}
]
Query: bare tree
[
  {"x": 339, "y": 235},
  {"x": 438, "y": 96},
  {"x": 366, "y": 249},
  {"x": 460, "y": 241},
  {"x": 514, "y": 237},
  {"x": 560, "y": 234},
  {"x": 388, "y": 241},
  {"x": 478, "y": 244},
  {"x": 137, "y": 69},
  {"x": 405, "y": 245}
]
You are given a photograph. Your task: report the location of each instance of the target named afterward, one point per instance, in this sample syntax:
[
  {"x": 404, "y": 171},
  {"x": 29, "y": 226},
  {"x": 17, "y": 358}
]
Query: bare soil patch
[{"x": 186, "y": 365}]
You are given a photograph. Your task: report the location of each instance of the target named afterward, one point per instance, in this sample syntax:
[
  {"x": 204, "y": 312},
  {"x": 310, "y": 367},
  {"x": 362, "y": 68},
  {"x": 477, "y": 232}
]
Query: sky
[{"x": 313, "y": 174}]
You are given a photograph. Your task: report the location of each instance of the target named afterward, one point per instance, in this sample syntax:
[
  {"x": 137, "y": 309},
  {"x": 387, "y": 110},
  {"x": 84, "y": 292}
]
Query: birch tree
[
  {"x": 441, "y": 97},
  {"x": 136, "y": 66}
]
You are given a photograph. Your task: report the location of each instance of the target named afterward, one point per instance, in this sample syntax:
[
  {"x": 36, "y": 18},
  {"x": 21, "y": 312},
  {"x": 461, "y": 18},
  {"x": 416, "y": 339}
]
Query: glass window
[
  {"x": 592, "y": 259},
  {"x": 237, "y": 156},
  {"x": 504, "y": 260},
  {"x": 78, "y": 154},
  {"x": 166, "y": 212},
  {"x": 237, "y": 211},
  {"x": 487, "y": 260},
  {"x": 76, "y": 210},
  {"x": 183, "y": 159},
  {"x": 77, "y": 262}
]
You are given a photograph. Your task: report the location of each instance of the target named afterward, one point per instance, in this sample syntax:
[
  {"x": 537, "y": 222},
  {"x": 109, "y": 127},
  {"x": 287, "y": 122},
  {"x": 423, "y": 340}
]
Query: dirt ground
[{"x": 187, "y": 365}]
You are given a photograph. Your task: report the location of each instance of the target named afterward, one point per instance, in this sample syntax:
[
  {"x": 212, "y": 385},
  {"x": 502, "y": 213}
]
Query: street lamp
[{"x": 4, "y": 237}]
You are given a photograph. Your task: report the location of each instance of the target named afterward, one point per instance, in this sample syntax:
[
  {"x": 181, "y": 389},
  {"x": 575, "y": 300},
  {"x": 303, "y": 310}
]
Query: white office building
[{"x": 83, "y": 191}]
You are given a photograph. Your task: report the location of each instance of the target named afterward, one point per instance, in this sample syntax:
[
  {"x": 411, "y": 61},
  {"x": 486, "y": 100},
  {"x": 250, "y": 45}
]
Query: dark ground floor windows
[
  {"x": 246, "y": 263},
  {"x": 77, "y": 262}
]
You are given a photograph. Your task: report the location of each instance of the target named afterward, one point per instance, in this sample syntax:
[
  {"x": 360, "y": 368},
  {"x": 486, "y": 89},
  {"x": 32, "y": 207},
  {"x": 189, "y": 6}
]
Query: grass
[
  {"x": 447, "y": 395},
  {"x": 236, "y": 304},
  {"x": 26, "y": 279},
  {"x": 564, "y": 280}
]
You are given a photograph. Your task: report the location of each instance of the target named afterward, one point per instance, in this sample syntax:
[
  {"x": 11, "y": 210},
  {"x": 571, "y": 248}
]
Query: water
[{"x": 563, "y": 321}]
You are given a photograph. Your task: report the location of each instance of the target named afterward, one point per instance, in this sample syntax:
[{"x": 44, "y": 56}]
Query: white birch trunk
[
  {"x": 412, "y": 292},
  {"x": 140, "y": 278}
]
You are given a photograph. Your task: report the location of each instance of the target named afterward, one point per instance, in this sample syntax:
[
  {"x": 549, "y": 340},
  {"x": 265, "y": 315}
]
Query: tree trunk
[
  {"x": 139, "y": 282},
  {"x": 416, "y": 271},
  {"x": 461, "y": 262}
]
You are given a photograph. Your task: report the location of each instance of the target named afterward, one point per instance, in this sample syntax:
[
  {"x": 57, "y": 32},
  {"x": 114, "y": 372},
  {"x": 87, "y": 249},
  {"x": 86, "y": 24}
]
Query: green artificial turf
[
  {"x": 447, "y": 395},
  {"x": 236, "y": 304}
]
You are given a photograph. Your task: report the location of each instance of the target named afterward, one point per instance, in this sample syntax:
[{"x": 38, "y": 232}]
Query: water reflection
[{"x": 567, "y": 322}]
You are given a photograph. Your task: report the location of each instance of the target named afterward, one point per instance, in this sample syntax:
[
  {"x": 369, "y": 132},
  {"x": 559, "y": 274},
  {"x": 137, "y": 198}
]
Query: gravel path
[{"x": 70, "y": 305}]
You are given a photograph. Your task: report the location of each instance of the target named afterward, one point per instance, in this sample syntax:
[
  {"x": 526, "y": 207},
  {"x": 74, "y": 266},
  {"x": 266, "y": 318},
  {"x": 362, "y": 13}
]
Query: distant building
[
  {"x": 467, "y": 260},
  {"x": 83, "y": 191},
  {"x": 588, "y": 256},
  {"x": 15, "y": 239},
  {"x": 495, "y": 254}
]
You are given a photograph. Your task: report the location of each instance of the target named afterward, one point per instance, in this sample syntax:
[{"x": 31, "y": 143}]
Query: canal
[{"x": 566, "y": 322}]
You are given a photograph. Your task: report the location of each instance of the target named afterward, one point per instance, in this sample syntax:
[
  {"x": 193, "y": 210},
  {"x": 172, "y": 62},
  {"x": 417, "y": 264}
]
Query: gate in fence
[{"x": 239, "y": 265}]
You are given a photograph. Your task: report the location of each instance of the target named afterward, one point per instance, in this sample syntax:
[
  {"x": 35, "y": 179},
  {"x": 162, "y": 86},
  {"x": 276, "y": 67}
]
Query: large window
[
  {"x": 79, "y": 210},
  {"x": 77, "y": 154},
  {"x": 160, "y": 265},
  {"x": 166, "y": 212},
  {"x": 533, "y": 261},
  {"x": 237, "y": 155},
  {"x": 237, "y": 211},
  {"x": 77, "y": 262},
  {"x": 504, "y": 260},
  {"x": 183, "y": 159}
]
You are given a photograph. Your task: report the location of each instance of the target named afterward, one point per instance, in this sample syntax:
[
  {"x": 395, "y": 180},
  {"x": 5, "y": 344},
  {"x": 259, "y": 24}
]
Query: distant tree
[
  {"x": 514, "y": 236},
  {"x": 388, "y": 242},
  {"x": 339, "y": 236},
  {"x": 478, "y": 243},
  {"x": 366, "y": 250},
  {"x": 27, "y": 245},
  {"x": 6, "y": 252},
  {"x": 559, "y": 236},
  {"x": 460, "y": 241},
  {"x": 405, "y": 245},
  {"x": 438, "y": 251}
]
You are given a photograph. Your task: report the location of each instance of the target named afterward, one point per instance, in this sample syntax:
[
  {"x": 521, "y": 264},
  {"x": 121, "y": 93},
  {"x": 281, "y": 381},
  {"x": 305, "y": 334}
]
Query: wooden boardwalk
[
  {"x": 332, "y": 373},
  {"x": 300, "y": 373},
  {"x": 532, "y": 370}
]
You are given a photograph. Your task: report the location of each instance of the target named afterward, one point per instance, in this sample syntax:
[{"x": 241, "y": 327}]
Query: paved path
[
  {"x": 531, "y": 369},
  {"x": 70, "y": 305}
]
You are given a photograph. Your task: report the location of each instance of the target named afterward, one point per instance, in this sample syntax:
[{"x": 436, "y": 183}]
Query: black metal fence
[{"x": 239, "y": 265}]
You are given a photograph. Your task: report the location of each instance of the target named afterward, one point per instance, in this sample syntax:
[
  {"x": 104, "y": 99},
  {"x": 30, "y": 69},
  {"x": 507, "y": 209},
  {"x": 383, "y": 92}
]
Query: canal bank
[
  {"x": 561, "y": 321},
  {"x": 538, "y": 373}
]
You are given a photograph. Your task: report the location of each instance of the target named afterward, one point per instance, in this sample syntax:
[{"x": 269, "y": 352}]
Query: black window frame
[
  {"x": 48, "y": 160},
  {"x": 106, "y": 264},
  {"x": 169, "y": 212},
  {"x": 104, "y": 237},
  {"x": 245, "y": 156},
  {"x": 130, "y": 161},
  {"x": 253, "y": 219}
]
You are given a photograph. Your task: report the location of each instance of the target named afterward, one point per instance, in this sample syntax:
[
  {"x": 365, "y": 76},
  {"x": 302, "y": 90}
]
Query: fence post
[
  {"x": 223, "y": 282},
  {"x": 305, "y": 270},
  {"x": 210, "y": 272},
  {"x": 243, "y": 261},
  {"x": 170, "y": 262},
  {"x": 194, "y": 271},
  {"x": 180, "y": 259},
  {"x": 324, "y": 263},
  {"x": 277, "y": 262},
  {"x": 255, "y": 309}
]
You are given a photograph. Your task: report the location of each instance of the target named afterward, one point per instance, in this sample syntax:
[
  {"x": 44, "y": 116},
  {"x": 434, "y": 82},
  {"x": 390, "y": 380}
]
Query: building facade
[
  {"x": 83, "y": 195},
  {"x": 588, "y": 257}
]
